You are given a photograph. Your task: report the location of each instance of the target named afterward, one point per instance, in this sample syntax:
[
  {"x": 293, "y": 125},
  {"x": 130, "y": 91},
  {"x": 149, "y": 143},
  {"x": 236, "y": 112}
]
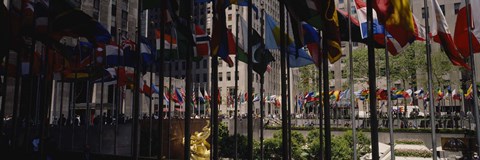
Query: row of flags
[{"x": 337, "y": 95}]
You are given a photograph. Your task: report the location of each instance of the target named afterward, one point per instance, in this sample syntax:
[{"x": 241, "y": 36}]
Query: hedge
[
  {"x": 412, "y": 153},
  {"x": 397, "y": 130}
]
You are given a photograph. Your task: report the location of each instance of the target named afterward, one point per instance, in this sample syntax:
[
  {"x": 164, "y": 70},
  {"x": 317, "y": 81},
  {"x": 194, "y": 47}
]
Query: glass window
[
  {"x": 205, "y": 63},
  {"x": 114, "y": 10},
  {"x": 443, "y": 8},
  {"x": 197, "y": 65},
  {"x": 205, "y": 77},
  {"x": 183, "y": 65},
  {"x": 423, "y": 13},
  {"x": 229, "y": 76},
  {"x": 456, "y": 6},
  {"x": 229, "y": 17},
  {"x": 176, "y": 66},
  {"x": 220, "y": 76},
  {"x": 197, "y": 78}
]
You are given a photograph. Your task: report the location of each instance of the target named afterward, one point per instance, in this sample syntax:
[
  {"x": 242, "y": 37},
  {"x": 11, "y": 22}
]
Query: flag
[
  {"x": 399, "y": 22},
  {"x": 312, "y": 40},
  {"x": 331, "y": 31},
  {"x": 179, "y": 96},
  {"x": 202, "y": 42},
  {"x": 355, "y": 27},
  {"x": 306, "y": 10},
  {"x": 256, "y": 98},
  {"x": 455, "y": 95},
  {"x": 261, "y": 56},
  {"x": 147, "y": 51},
  {"x": 166, "y": 98},
  {"x": 469, "y": 94},
  {"x": 272, "y": 34},
  {"x": 169, "y": 40},
  {"x": 439, "y": 94},
  {"x": 147, "y": 90},
  {"x": 297, "y": 57},
  {"x": 207, "y": 97},
  {"x": 461, "y": 29},
  {"x": 395, "y": 13},
  {"x": 220, "y": 35},
  {"x": 114, "y": 55},
  {"x": 441, "y": 34}
]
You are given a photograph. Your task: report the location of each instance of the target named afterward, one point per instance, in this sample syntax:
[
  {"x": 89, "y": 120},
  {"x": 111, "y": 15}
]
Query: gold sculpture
[{"x": 199, "y": 146}]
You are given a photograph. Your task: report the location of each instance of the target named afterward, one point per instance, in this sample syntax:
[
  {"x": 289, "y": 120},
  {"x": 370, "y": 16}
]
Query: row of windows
[
  {"x": 196, "y": 64},
  {"x": 456, "y": 7}
]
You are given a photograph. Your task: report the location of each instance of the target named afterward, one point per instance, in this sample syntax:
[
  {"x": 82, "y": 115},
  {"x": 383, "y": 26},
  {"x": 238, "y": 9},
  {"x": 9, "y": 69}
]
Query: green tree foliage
[
  {"x": 273, "y": 146},
  {"x": 441, "y": 66},
  {"x": 308, "y": 78},
  {"x": 342, "y": 149},
  {"x": 227, "y": 143},
  {"x": 403, "y": 67}
]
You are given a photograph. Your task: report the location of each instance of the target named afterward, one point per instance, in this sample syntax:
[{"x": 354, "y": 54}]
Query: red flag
[
  {"x": 461, "y": 29},
  {"x": 441, "y": 34}
]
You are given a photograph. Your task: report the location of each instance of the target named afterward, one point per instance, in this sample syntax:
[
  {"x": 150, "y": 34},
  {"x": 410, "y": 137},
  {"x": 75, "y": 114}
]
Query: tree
[
  {"x": 308, "y": 78},
  {"x": 360, "y": 64},
  {"x": 441, "y": 66},
  {"x": 273, "y": 146},
  {"x": 404, "y": 66},
  {"x": 342, "y": 149}
]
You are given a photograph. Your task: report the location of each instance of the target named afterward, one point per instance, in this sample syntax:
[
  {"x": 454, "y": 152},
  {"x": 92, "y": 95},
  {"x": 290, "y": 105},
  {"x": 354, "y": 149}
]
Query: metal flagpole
[
  {"x": 285, "y": 147},
  {"x": 235, "y": 113},
  {"x": 136, "y": 86},
  {"x": 320, "y": 104},
  {"x": 100, "y": 146},
  {"x": 186, "y": 14},
  {"x": 60, "y": 119},
  {"x": 326, "y": 102},
  {"x": 474, "y": 78},
  {"x": 289, "y": 131},
  {"x": 351, "y": 83},
  {"x": 372, "y": 82},
  {"x": 170, "y": 90},
  {"x": 430, "y": 81},
  {"x": 214, "y": 104},
  {"x": 389, "y": 98},
  {"x": 150, "y": 103},
  {"x": 262, "y": 82},
  {"x": 250, "y": 82},
  {"x": 161, "y": 83}
]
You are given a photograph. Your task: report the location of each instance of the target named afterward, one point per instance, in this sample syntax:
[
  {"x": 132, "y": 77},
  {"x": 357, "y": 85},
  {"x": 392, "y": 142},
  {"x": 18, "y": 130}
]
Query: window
[
  {"x": 456, "y": 6},
  {"x": 229, "y": 17},
  {"x": 220, "y": 63},
  {"x": 114, "y": 10},
  {"x": 443, "y": 8},
  {"x": 197, "y": 65},
  {"x": 183, "y": 65},
  {"x": 197, "y": 78},
  {"x": 230, "y": 7},
  {"x": 205, "y": 63},
  {"x": 423, "y": 13},
  {"x": 124, "y": 19},
  {"x": 176, "y": 66},
  {"x": 208, "y": 31},
  {"x": 229, "y": 76},
  {"x": 220, "y": 76},
  {"x": 205, "y": 77},
  {"x": 96, "y": 4}
]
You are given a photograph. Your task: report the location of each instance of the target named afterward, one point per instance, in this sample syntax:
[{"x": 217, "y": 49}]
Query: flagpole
[
  {"x": 250, "y": 83},
  {"x": 161, "y": 82},
  {"x": 60, "y": 126},
  {"x": 150, "y": 125},
  {"x": 102, "y": 86},
  {"x": 214, "y": 102},
  {"x": 136, "y": 86},
  {"x": 170, "y": 86},
  {"x": 372, "y": 82},
  {"x": 326, "y": 101},
  {"x": 430, "y": 82},
  {"x": 289, "y": 128},
  {"x": 262, "y": 82},
  {"x": 389, "y": 97},
  {"x": 285, "y": 148},
  {"x": 117, "y": 89},
  {"x": 474, "y": 78},
  {"x": 351, "y": 83},
  {"x": 235, "y": 115},
  {"x": 320, "y": 106}
]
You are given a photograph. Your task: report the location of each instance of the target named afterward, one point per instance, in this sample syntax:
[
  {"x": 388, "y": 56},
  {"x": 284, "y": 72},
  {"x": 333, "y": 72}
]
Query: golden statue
[{"x": 199, "y": 146}]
